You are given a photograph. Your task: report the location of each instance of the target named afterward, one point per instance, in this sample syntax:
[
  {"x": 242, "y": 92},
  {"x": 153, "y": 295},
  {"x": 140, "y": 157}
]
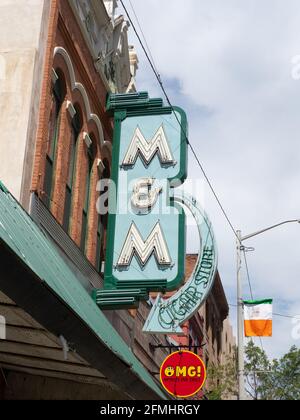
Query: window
[
  {"x": 53, "y": 132},
  {"x": 196, "y": 345},
  {"x": 75, "y": 131},
  {"x": 102, "y": 221},
  {"x": 207, "y": 315},
  {"x": 219, "y": 336},
  {"x": 105, "y": 175},
  {"x": 98, "y": 246},
  {"x": 85, "y": 211}
]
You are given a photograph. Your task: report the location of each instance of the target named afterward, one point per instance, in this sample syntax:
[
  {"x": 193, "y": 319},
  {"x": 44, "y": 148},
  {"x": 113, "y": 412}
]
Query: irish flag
[{"x": 258, "y": 318}]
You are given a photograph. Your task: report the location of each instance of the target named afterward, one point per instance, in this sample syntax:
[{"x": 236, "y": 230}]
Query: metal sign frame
[{"x": 120, "y": 293}]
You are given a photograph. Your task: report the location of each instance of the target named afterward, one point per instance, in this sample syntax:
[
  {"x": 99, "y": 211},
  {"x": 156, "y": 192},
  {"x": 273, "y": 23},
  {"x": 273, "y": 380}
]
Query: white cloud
[{"x": 229, "y": 64}]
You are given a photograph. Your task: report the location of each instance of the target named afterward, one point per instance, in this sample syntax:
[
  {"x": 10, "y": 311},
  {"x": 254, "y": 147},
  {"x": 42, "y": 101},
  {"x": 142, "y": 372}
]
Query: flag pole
[
  {"x": 240, "y": 312},
  {"x": 240, "y": 326}
]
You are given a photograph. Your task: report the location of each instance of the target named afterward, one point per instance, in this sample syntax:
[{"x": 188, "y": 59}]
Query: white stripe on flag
[{"x": 262, "y": 311}]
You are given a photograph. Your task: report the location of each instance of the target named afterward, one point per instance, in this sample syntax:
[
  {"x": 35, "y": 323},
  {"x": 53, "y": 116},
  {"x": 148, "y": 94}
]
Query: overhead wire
[
  {"x": 275, "y": 313},
  {"x": 146, "y": 49},
  {"x": 160, "y": 82},
  {"x": 143, "y": 35},
  {"x": 150, "y": 59}
]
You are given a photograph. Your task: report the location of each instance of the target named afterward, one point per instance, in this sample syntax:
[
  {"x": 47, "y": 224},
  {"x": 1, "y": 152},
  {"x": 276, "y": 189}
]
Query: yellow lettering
[
  {"x": 192, "y": 371},
  {"x": 181, "y": 371}
]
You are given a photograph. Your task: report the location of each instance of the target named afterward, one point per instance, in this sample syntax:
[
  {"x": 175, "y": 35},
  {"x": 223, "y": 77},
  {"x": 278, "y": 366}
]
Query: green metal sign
[
  {"x": 146, "y": 227},
  {"x": 146, "y": 223}
]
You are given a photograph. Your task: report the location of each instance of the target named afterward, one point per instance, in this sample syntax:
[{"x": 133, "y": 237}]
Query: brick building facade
[
  {"x": 74, "y": 135},
  {"x": 63, "y": 59},
  {"x": 73, "y": 54}
]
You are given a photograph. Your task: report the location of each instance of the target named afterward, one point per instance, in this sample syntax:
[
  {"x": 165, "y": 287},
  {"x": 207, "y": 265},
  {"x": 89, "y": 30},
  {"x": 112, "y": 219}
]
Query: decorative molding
[
  {"x": 71, "y": 110},
  {"x": 107, "y": 40},
  {"x": 54, "y": 76},
  {"x": 102, "y": 266},
  {"x": 87, "y": 139},
  {"x": 85, "y": 76},
  {"x": 110, "y": 6},
  {"x": 134, "y": 65},
  {"x": 100, "y": 166},
  {"x": 78, "y": 86}
]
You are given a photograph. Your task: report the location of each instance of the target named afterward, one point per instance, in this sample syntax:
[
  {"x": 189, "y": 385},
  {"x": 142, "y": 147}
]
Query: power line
[
  {"x": 143, "y": 35},
  {"x": 150, "y": 59},
  {"x": 158, "y": 78},
  {"x": 286, "y": 316}
]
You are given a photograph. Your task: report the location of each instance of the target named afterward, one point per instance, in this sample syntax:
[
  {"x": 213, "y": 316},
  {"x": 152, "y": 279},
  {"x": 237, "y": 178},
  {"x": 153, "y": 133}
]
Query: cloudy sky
[{"x": 228, "y": 63}]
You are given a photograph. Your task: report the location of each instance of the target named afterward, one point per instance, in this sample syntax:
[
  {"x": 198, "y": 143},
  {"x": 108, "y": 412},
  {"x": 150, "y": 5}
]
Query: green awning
[{"x": 47, "y": 278}]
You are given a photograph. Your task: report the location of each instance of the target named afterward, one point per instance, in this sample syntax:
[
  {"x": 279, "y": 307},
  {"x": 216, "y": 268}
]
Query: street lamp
[{"x": 240, "y": 316}]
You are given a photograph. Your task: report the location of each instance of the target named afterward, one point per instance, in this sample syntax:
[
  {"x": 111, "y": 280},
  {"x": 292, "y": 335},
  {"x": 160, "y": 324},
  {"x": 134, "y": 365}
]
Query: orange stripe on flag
[{"x": 258, "y": 328}]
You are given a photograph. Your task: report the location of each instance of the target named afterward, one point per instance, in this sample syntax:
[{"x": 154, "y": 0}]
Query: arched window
[
  {"x": 102, "y": 220},
  {"x": 85, "y": 211},
  {"x": 75, "y": 131},
  {"x": 98, "y": 246},
  {"x": 57, "y": 98},
  {"x": 105, "y": 175}
]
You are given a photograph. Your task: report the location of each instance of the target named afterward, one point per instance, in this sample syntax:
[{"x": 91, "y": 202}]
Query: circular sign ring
[{"x": 182, "y": 374}]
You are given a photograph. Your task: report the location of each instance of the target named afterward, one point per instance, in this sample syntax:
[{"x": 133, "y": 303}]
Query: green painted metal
[
  {"x": 19, "y": 232},
  {"x": 109, "y": 299},
  {"x": 167, "y": 315},
  {"x": 136, "y": 104},
  {"x": 122, "y": 107},
  {"x": 258, "y": 302}
]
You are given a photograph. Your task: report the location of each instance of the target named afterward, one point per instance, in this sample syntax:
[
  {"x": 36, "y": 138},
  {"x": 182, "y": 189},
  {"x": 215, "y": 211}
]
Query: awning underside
[{"x": 34, "y": 275}]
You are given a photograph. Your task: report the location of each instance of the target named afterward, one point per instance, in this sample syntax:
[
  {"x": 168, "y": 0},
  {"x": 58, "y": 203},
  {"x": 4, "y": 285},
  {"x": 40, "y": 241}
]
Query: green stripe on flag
[{"x": 257, "y": 302}]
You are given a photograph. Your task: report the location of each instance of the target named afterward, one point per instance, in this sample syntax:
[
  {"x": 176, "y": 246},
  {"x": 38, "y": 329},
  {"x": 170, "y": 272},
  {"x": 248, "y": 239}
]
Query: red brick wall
[{"x": 40, "y": 152}]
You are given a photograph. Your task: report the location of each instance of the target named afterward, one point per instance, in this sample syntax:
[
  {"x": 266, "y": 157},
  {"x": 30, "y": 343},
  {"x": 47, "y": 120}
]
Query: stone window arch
[
  {"x": 58, "y": 92},
  {"x": 76, "y": 126}
]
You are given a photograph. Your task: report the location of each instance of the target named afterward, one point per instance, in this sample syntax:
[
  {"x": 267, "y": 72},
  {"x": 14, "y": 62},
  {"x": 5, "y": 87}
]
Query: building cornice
[{"x": 106, "y": 37}]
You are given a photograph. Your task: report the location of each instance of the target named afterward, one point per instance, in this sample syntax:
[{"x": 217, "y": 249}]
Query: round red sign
[{"x": 183, "y": 374}]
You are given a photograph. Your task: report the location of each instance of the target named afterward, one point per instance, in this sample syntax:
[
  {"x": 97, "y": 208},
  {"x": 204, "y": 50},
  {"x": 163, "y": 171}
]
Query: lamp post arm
[
  {"x": 240, "y": 316},
  {"x": 268, "y": 228}
]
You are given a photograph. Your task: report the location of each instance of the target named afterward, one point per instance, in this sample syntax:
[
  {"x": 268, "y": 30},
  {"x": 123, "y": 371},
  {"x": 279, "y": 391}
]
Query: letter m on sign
[
  {"x": 140, "y": 146},
  {"x": 155, "y": 243}
]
